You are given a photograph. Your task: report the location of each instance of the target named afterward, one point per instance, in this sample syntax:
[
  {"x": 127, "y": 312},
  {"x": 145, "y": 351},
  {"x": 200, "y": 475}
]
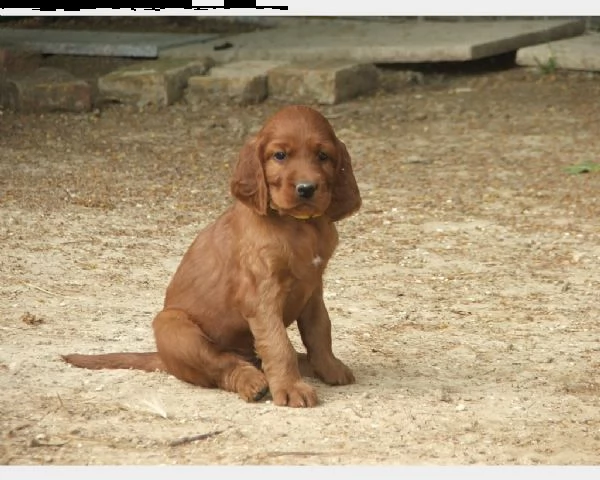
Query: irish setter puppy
[{"x": 258, "y": 268}]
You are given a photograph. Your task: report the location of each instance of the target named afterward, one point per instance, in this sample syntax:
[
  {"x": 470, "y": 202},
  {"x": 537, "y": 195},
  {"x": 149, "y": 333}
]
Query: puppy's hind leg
[{"x": 190, "y": 356}]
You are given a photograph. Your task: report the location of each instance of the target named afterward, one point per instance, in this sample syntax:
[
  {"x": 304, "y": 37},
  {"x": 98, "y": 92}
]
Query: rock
[
  {"x": 16, "y": 60},
  {"x": 241, "y": 82},
  {"x": 46, "y": 89},
  {"x": 322, "y": 82}
]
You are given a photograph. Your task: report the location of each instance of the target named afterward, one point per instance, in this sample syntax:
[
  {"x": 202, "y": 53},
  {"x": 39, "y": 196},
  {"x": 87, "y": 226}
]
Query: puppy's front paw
[
  {"x": 250, "y": 383},
  {"x": 334, "y": 372},
  {"x": 298, "y": 394}
]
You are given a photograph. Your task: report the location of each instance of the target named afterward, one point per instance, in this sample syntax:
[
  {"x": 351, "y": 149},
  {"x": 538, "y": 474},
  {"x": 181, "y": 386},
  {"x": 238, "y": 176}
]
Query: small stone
[{"x": 31, "y": 319}]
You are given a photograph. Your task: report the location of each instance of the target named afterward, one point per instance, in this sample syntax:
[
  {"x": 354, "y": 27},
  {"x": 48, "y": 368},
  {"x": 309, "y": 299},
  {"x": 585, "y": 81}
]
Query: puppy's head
[{"x": 296, "y": 166}]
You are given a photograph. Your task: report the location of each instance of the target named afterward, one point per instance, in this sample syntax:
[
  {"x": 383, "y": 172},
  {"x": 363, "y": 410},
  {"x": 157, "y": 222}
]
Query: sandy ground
[{"x": 465, "y": 294}]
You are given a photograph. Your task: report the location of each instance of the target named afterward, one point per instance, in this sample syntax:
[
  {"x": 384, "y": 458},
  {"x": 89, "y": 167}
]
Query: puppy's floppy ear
[
  {"x": 345, "y": 196},
  {"x": 248, "y": 182}
]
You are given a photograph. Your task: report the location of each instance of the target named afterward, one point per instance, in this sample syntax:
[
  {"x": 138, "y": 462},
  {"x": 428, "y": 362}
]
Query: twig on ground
[
  {"x": 45, "y": 291},
  {"x": 300, "y": 454},
  {"x": 193, "y": 438}
]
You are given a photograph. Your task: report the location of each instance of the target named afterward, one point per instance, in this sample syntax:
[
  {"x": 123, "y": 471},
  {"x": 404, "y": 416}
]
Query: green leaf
[{"x": 585, "y": 167}]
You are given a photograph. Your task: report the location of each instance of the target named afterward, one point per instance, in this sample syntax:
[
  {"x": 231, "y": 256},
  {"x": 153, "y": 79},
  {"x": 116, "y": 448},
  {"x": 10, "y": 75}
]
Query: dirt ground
[{"x": 465, "y": 294}]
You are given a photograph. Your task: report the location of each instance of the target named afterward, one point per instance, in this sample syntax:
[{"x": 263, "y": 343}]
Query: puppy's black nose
[{"x": 305, "y": 189}]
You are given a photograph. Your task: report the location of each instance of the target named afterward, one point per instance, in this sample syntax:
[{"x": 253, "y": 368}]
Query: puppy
[{"x": 257, "y": 269}]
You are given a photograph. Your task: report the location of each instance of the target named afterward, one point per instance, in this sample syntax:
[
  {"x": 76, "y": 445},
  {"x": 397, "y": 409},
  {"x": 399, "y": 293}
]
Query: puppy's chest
[
  {"x": 308, "y": 257},
  {"x": 308, "y": 267},
  {"x": 303, "y": 276}
]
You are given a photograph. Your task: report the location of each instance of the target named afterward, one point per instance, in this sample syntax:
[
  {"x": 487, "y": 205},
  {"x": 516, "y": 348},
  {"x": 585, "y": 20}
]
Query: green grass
[{"x": 549, "y": 66}]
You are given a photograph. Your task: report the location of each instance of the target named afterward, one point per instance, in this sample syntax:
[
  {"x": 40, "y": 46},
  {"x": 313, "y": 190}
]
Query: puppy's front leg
[
  {"x": 315, "y": 329},
  {"x": 273, "y": 346}
]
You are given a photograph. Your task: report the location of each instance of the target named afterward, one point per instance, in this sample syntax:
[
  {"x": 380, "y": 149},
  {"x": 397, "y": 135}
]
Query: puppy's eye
[
  {"x": 279, "y": 156},
  {"x": 323, "y": 156}
]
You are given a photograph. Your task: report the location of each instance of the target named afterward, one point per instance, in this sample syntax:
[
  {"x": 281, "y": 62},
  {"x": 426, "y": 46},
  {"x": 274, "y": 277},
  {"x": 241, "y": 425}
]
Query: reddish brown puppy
[{"x": 258, "y": 268}]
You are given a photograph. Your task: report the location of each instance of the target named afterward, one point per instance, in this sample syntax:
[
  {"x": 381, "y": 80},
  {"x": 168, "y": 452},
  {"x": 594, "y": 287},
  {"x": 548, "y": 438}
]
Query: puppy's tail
[{"x": 147, "y": 361}]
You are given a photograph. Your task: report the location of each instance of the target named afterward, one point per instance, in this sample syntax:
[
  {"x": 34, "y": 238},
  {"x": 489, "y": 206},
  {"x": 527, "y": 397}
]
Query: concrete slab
[
  {"x": 380, "y": 42},
  {"x": 79, "y": 42},
  {"x": 579, "y": 53}
]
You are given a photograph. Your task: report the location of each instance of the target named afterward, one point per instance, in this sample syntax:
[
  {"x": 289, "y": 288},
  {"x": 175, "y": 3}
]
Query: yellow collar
[
  {"x": 297, "y": 217},
  {"x": 304, "y": 217}
]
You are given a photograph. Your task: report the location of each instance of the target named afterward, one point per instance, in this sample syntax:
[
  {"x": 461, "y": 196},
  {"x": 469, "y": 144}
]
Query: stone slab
[
  {"x": 155, "y": 82},
  {"x": 242, "y": 82},
  {"x": 381, "y": 42},
  {"x": 325, "y": 83},
  {"x": 45, "y": 90},
  {"x": 115, "y": 44},
  {"x": 253, "y": 67},
  {"x": 578, "y": 53},
  {"x": 244, "y": 89}
]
